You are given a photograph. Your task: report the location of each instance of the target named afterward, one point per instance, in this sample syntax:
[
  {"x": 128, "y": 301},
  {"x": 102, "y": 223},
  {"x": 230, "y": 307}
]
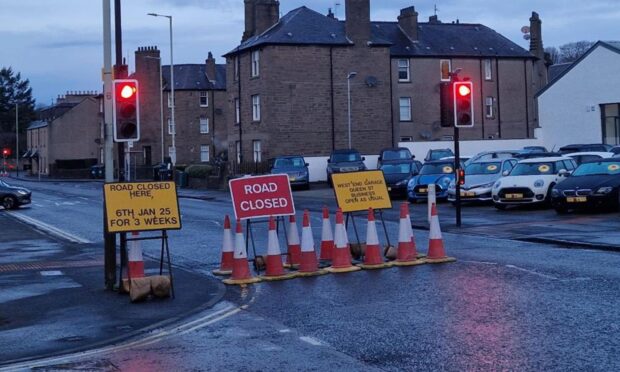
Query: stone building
[
  {"x": 288, "y": 80},
  {"x": 200, "y": 109}
]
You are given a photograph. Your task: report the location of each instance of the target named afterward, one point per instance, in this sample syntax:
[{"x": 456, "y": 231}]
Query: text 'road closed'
[{"x": 262, "y": 196}]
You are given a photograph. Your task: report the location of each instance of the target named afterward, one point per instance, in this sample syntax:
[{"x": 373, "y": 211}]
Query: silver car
[{"x": 479, "y": 179}]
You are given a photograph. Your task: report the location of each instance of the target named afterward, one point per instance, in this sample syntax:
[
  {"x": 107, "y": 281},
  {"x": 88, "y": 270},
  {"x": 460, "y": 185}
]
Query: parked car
[
  {"x": 531, "y": 181},
  {"x": 439, "y": 172},
  {"x": 294, "y": 166},
  {"x": 395, "y": 153},
  {"x": 480, "y": 178},
  {"x": 343, "y": 161},
  {"x": 97, "y": 171},
  {"x": 615, "y": 150},
  {"x": 397, "y": 174},
  {"x": 534, "y": 149},
  {"x": 495, "y": 154},
  {"x": 436, "y": 154},
  {"x": 11, "y": 197},
  {"x": 582, "y": 157},
  {"x": 463, "y": 158},
  {"x": 584, "y": 147},
  {"x": 595, "y": 184},
  {"x": 531, "y": 155}
]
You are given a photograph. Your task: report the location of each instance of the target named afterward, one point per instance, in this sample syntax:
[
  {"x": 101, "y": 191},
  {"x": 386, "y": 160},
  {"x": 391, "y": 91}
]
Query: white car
[
  {"x": 582, "y": 157},
  {"x": 531, "y": 181}
]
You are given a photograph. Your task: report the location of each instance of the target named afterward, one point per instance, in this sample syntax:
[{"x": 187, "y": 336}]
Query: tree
[
  {"x": 572, "y": 51},
  {"x": 553, "y": 55},
  {"x": 14, "y": 90}
]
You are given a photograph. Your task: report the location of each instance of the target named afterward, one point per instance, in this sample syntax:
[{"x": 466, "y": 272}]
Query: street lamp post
[
  {"x": 349, "y": 77},
  {"x": 173, "y": 150},
  {"x": 16, "y": 140}
]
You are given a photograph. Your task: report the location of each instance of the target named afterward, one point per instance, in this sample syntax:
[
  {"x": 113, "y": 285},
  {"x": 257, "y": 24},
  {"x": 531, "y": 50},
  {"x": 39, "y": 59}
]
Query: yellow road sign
[
  {"x": 358, "y": 191},
  {"x": 141, "y": 206}
]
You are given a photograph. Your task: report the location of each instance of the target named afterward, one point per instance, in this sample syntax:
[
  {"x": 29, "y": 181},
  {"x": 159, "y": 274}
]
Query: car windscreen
[
  {"x": 290, "y": 163},
  {"x": 396, "y": 168},
  {"x": 437, "y": 168},
  {"x": 396, "y": 154},
  {"x": 483, "y": 168},
  {"x": 530, "y": 169},
  {"x": 598, "y": 168},
  {"x": 344, "y": 157}
]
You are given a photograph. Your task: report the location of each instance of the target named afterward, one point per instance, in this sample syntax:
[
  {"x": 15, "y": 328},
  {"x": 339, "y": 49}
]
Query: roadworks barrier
[
  {"x": 327, "y": 237},
  {"x": 274, "y": 267},
  {"x": 309, "y": 265},
  {"x": 372, "y": 253},
  {"x": 341, "y": 258},
  {"x": 294, "y": 245},
  {"x": 241, "y": 268},
  {"x": 227, "y": 250},
  {"x": 436, "y": 249},
  {"x": 406, "y": 254}
]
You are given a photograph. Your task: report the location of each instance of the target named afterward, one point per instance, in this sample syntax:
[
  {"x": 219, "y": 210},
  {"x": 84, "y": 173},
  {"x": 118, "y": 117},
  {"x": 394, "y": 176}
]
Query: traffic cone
[
  {"x": 327, "y": 238},
  {"x": 436, "y": 250},
  {"x": 275, "y": 269},
  {"x": 294, "y": 246},
  {"x": 227, "y": 250},
  {"x": 372, "y": 256},
  {"x": 135, "y": 263},
  {"x": 341, "y": 257},
  {"x": 241, "y": 269},
  {"x": 406, "y": 254},
  {"x": 309, "y": 265}
]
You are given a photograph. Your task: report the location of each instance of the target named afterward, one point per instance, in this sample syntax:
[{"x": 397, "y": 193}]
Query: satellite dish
[
  {"x": 371, "y": 81},
  {"x": 527, "y": 36},
  {"x": 525, "y": 29}
]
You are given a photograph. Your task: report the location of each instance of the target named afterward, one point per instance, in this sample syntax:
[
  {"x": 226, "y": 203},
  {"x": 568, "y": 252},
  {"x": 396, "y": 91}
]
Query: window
[
  {"x": 236, "y": 68},
  {"x": 446, "y": 68},
  {"x": 238, "y": 150},
  {"x": 148, "y": 160},
  {"x": 256, "y": 149},
  {"x": 171, "y": 127},
  {"x": 237, "y": 111},
  {"x": 170, "y": 98},
  {"x": 406, "y": 139},
  {"x": 204, "y": 153},
  {"x": 405, "y": 108},
  {"x": 204, "y": 98},
  {"x": 507, "y": 166},
  {"x": 488, "y": 73},
  {"x": 488, "y": 107},
  {"x": 256, "y": 107},
  {"x": 204, "y": 125},
  {"x": 403, "y": 70},
  {"x": 255, "y": 63}
]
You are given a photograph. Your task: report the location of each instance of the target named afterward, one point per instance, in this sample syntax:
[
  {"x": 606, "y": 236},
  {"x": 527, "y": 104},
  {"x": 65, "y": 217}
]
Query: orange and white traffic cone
[
  {"x": 436, "y": 250},
  {"x": 341, "y": 257},
  {"x": 134, "y": 257},
  {"x": 294, "y": 246},
  {"x": 372, "y": 256},
  {"x": 227, "y": 250},
  {"x": 241, "y": 269},
  {"x": 275, "y": 269},
  {"x": 309, "y": 265},
  {"x": 406, "y": 254},
  {"x": 327, "y": 238}
]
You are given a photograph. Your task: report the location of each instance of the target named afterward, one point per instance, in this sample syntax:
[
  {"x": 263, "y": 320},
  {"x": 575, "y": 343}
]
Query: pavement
[{"x": 52, "y": 292}]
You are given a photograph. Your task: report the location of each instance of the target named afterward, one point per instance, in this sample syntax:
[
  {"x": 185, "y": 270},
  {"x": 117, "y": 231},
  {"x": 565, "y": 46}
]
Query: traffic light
[
  {"x": 126, "y": 108},
  {"x": 463, "y": 104},
  {"x": 460, "y": 176},
  {"x": 6, "y": 152}
]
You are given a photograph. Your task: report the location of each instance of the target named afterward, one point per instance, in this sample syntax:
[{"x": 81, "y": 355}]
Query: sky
[{"x": 58, "y": 44}]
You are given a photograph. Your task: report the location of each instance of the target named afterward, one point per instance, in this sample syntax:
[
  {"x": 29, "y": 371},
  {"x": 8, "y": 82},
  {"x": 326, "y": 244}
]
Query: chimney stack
[
  {"x": 266, "y": 14},
  {"x": 357, "y": 23},
  {"x": 408, "y": 22},
  {"x": 536, "y": 43},
  {"x": 211, "y": 71}
]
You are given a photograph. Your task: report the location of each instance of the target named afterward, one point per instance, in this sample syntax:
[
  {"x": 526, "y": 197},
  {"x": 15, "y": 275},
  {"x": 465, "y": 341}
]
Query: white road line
[
  {"x": 49, "y": 228},
  {"x": 311, "y": 340},
  {"x": 532, "y": 272}
]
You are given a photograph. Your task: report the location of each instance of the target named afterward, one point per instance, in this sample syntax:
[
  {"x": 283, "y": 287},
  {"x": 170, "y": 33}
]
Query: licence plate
[
  {"x": 422, "y": 191},
  {"x": 514, "y": 196},
  {"x": 291, "y": 178},
  {"x": 576, "y": 199},
  {"x": 468, "y": 194}
]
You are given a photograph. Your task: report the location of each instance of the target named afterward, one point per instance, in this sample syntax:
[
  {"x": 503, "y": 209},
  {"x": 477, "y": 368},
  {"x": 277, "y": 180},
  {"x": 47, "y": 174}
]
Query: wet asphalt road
[{"x": 504, "y": 305}]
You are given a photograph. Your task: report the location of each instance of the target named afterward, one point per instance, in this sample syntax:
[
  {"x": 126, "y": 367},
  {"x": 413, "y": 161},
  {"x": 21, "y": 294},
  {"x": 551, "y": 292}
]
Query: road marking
[
  {"x": 154, "y": 337},
  {"x": 532, "y": 272},
  {"x": 311, "y": 340},
  {"x": 49, "y": 229}
]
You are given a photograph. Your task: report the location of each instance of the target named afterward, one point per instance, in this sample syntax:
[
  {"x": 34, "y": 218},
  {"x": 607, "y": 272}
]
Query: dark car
[
  {"x": 394, "y": 154},
  {"x": 12, "y": 197},
  {"x": 97, "y": 171},
  {"x": 343, "y": 161},
  {"x": 436, "y": 154},
  {"x": 593, "y": 184},
  {"x": 601, "y": 147},
  {"x": 397, "y": 174},
  {"x": 439, "y": 172},
  {"x": 294, "y": 166}
]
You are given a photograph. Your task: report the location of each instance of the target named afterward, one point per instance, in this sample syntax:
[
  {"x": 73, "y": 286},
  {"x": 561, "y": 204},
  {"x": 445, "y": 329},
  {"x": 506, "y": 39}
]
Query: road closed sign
[
  {"x": 358, "y": 191},
  {"x": 262, "y": 196},
  {"x": 141, "y": 206}
]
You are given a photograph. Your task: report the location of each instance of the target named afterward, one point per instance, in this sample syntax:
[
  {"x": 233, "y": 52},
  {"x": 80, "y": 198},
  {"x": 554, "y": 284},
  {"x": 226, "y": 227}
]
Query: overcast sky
[{"x": 57, "y": 44}]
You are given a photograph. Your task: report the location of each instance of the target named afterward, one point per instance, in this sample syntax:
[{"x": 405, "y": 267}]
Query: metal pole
[
  {"x": 161, "y": 109},
  {"x": 457, "y": 166},
  {"x": 17, "y": 140},
  {"x": 174, "y": 132},
  {"x": 349, "y": 105},
  {"x": 108, "y": 150}
]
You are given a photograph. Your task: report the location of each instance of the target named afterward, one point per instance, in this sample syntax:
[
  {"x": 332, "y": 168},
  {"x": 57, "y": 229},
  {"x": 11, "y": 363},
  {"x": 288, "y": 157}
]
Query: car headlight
[
  {"x": 539, "y": 183},
  {"x": 497, "y": 184},
  {"x": 604, "y": 190},
  {"x": 555, "y": 193},
  {"x": 22, "y": 192},
  {"x": 411, "y": 183}
]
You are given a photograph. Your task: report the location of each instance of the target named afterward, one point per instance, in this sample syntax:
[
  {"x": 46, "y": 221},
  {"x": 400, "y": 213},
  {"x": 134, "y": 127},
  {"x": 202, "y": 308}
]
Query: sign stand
[
  {"x": 380, "y": 212},
  {"x": 249, "y": 236}
]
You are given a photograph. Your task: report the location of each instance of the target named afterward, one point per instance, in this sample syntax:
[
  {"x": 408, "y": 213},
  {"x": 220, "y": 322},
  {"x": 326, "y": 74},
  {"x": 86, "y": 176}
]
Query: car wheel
[
  {"x": 501, "y": 207},
  {"x": 547, "y": 201},
  {"x": 9, "y": 202}
]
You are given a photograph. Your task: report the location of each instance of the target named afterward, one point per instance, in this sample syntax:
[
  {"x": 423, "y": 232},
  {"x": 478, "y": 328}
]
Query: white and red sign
[{"x": 262, "y": 196}]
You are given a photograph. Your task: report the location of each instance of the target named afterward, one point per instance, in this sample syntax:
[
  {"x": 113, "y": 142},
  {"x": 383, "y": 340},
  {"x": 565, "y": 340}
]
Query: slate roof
[
  {"x": 303, "y": 26},
  {"x": 37, "y": 124},
  {"x": 54, "y": 112},
  {"x": 194, "y": 77},
  {"x": 557, "y": 70}
]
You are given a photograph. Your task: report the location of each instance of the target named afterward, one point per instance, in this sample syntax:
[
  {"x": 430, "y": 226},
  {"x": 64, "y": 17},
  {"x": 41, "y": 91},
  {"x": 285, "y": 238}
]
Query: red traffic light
[
  {"x": 127, "y": 90},
  {"x": 463, "y": 104},
  {"x": 461, "y": 176},
  {"x": 126, "y": 110},
  {"x": 6, "y": 152},
  {"x": 464, "y": 90}
]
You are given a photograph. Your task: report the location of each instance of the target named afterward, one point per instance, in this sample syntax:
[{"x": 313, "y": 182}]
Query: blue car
[{"x": 439, "y": 172}]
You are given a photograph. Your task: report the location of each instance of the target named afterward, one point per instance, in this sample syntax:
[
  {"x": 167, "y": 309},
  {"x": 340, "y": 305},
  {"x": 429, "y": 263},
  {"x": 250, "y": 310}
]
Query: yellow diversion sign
[
  {"x": 358, "y": 191},
  {"x": 141, "y": 206}
]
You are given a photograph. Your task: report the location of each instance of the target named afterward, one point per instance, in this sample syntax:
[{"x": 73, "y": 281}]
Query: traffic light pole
[{"x": 457, "y": 166}]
